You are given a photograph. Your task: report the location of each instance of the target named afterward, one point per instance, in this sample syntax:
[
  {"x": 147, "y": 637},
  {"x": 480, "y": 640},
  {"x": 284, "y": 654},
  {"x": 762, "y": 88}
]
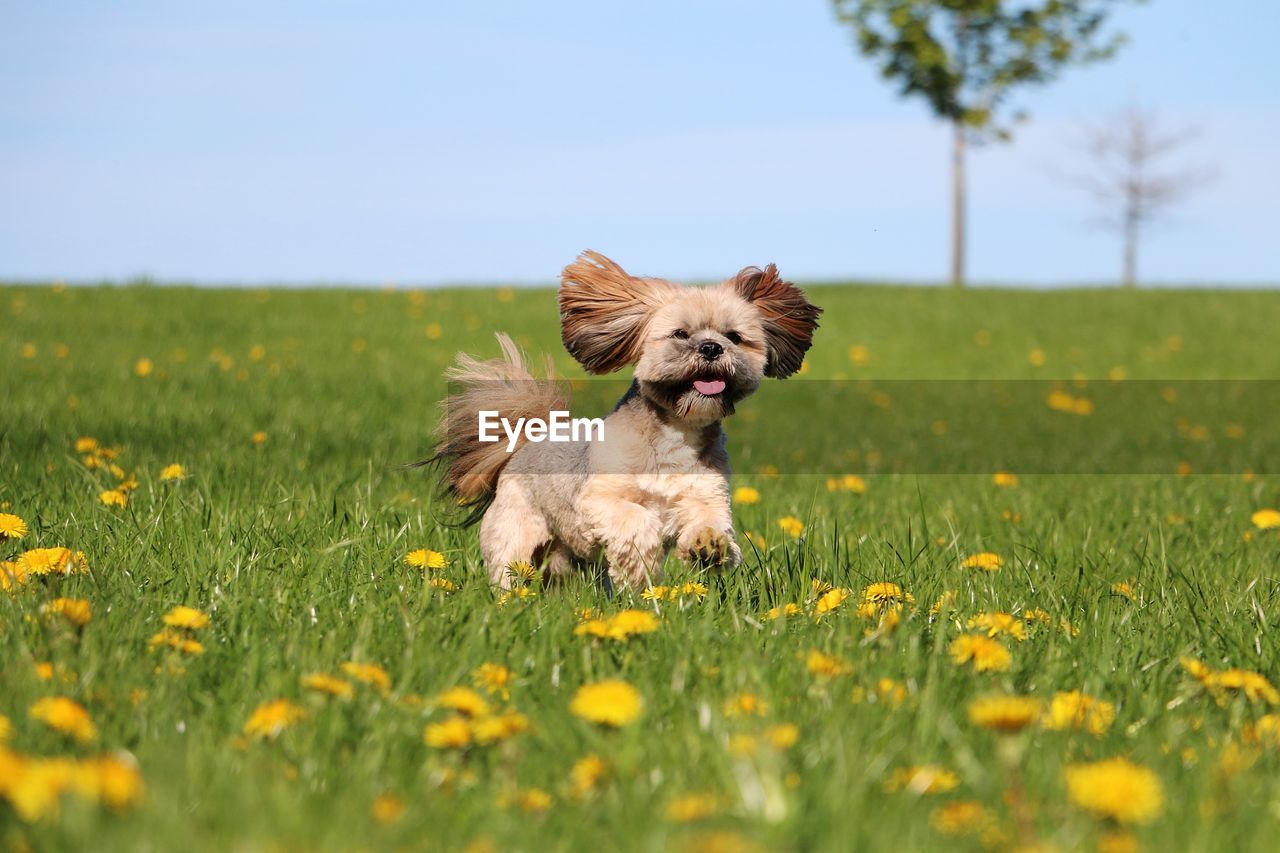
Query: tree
[
  {"x": 1128, "y": 178},
  {"x": 965, "y": 57}
]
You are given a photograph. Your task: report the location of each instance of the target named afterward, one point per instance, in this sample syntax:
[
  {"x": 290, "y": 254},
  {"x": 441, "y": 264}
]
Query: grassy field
[{"x": 847, "y": 725}]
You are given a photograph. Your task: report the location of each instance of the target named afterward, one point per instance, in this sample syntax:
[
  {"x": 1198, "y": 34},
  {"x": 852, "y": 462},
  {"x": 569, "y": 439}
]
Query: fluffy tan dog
[{"x": 660, "y": 477}]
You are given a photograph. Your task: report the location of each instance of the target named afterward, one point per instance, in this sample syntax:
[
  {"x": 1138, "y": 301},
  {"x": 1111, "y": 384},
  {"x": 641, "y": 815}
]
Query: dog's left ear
[
  {"x": 604, "y": 311},
  {"x": 789, "y": 319}
]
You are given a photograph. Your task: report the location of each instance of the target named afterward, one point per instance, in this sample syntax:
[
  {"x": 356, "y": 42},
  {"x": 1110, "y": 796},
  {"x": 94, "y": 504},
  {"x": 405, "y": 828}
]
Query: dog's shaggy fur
[{"x": 661, "y": 477}]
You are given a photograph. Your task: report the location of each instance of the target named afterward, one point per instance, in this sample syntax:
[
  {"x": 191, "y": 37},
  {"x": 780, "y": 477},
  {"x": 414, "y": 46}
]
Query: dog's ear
[
  {"x": 604, "y": 311},
  {"x": 789, "y": 319}
]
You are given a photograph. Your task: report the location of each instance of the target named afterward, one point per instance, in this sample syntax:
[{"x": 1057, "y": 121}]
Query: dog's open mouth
[{"x": 709, "y": 387}]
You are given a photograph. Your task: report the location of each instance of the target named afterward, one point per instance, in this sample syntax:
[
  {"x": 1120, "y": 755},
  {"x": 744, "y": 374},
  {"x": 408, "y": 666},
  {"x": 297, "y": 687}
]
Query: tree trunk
[
  {"x": 957, "y": 203},
  {"x": 1129, "y": 272}
]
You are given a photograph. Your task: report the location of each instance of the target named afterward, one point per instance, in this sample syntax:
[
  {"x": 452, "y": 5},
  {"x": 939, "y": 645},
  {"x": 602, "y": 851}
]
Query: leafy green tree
[{"x": 966, "y": 57}]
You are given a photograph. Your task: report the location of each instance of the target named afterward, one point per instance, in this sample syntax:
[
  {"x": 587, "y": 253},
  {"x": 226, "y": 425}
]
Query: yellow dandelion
[
  {"x": 52, "y": 561},
  {"x": 386, "y": 808},
  {"x": 114, "y": 497},
  {"x": 986, "y": 654},
  {"x": 522, "y": 571},
  {"x": 533, "y": 801},
  {"x": 826, "y": 666},
  {"x": 143, "y": 367},
  {"x": 65, "y": 716},
  {"x": 425, "y": 559},
  {"x": 1004, "y": 713},
  {"x": 1127, "y": 589},
  {"x": 985, "y": 561},
  {"x": 172, "y": 472},
  {"x": 746, "y": 495},
  {"x": 491, "y": 729},
  {"x": 961, "y": 817},
  {"x": 946, "y": 601},
  {"x": 922, "y": 779},
  {"x": 1266, "y": 519},
  {"x": 177, "y": 640},
  {"x": 1264, "y": 732},
  {"x": 791, "y": 526},
  {"x": 1000, "y": 624},
  {"x": 451, "y": 733},
  {"x": 258, "y": 438},
  {"x": 464, "y": 700},
  {"x": 886, "y": 592},
  {"x": 77, "y": 611},
  {"x": 493, "y": 678},
  {"x": 692, "y": 807},
  {"x": 442, "y": 584},
  {"x": 1080, "y": 711},
  {"x": 113, "y": 780},
  {"x": 187, "y": 618},
  {"x": 782, "y": 736},
  {"x": 628, "y": 623},
  {"x": 586, "y": 774},
  {"x": 12, "y": 575},
  {"x": 1253, "y": 685},
  {"x": 321, "y": 682},
  {"x": 830, "y": 601},
  {"x": 271, "y": 718},
  {"x": 745, "y": 704},
  {"x": 11, "y": 526},
  {"x": 607, "y": 703},
  {"x": 789, "y": 609},
  {"x": 367, "y": 673},
  {"x": 86, "y": 444},
  {"x": 1117, "y": 789},
  {"x": 1005, "y": 480}
]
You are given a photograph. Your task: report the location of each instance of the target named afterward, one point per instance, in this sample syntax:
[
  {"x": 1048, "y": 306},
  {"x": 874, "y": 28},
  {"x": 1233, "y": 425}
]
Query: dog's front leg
[
  {"x": 631, "y": 535},
  {"x": 705, "y": 524}
]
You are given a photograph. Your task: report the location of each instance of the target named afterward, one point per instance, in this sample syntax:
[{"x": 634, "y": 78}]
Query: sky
[{"x": 433, "y": 143}]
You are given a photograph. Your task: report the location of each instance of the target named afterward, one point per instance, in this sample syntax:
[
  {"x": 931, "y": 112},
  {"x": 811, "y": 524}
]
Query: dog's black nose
[{"x": 710, "y": 350}]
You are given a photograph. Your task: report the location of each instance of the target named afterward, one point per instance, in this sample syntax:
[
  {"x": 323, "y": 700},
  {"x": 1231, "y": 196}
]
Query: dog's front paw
[{"x": 712, "y": 549}]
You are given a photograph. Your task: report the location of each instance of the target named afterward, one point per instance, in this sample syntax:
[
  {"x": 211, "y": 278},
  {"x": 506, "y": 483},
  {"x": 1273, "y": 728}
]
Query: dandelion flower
[
  {"x": 1077, "y": 710},
  {"x": 1005, "y": 480},
  {"x": 77, "y": 611},
  {"x": 986, "y": 654},
  {"x": 1264, "y": 732},
  {"x": 534, "y": 801},
  {"x": 451, "y": 733},
  {"x": 53, "y": 561},
  {"x": 464, "y": 700},
  {"x": 258, "y": 438},
  {"x": 321, "y": 682},
  {"x": 607, "y": 703},
  {"x": 986, "y": 561},
  {"x": 443, "y": 584},
  {"x": 114, "y": 497},
  {"x": 1126, "y": 589},
  {"x": 86, "y": 444},
  {"x": 826, "y": 666},
  {"x": 628, "y": 623},
  {"x": 491, "y": 729},
  {"x": 387, "y": 808},
  {"x": 494, "y": 678},
  {"x": 66, "y": 716},
  {"x": 11, "y": 526},
  {"x": 1117, "y": 789},
  {"x": 586, "y": 774},
  {"x": 789, "y": 609},
  {"x": 522, "y": 571},
  {"x": 1000, "y": 624},
  {"x": 946, "y": 601},
  {"x": 830, "y": 601},
  {"x": 172, "y": 472},
  {"x": 923, "y": 779},
  {"x": 1004, "y": 713},
  {"x": 187, "y": 618},
  {"x": 746, "y": 495},
  {"x": 960, "y": 818},
  {"x": 367, "y": 673},
  {"x": 112, "y": 779},
  {"x": 791, "y": 526},
  {"x": 271, "y": 718},
  {"x": 1266, "y": 519},
  {"x": 176, "y": 640},
  {"x": 143, "y": 367},
  {"x": 692, "y": 807},
  {"x": 745, "y": 704},
  {"x": 425, "y": 559}
]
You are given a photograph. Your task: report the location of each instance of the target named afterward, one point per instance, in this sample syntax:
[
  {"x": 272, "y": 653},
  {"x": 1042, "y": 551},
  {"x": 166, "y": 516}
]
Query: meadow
[{"x": 261, "y": 634}]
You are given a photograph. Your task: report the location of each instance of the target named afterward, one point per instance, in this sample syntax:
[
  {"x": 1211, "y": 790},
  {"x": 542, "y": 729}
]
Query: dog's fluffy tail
[{"x": 471, "y": 467}]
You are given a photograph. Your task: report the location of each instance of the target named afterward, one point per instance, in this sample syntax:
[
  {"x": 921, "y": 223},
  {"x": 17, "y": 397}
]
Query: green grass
[{"x": 294, "y": 548}]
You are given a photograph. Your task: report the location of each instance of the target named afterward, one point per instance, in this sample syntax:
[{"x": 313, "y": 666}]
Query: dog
[{"x": 660, "y": 479}]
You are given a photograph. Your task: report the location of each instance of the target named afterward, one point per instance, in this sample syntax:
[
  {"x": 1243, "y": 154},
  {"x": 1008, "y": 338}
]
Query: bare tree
[{"x": 1130, "y": 176}]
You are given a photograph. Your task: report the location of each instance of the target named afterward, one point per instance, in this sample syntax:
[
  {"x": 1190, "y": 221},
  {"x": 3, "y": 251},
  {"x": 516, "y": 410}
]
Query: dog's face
[{"x": 697, "y": 351}]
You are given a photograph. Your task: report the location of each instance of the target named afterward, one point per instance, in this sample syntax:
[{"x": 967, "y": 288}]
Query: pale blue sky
[{"x": 312, "y": 142}]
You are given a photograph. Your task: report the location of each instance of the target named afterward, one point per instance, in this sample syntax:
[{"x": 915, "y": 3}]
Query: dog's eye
[
  {"x": 680, "y": 335},
  {"x": 734, "y": 338}
]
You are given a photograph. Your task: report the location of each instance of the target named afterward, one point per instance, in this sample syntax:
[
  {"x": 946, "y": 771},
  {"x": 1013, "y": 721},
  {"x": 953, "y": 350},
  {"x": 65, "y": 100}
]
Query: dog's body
[{"x": 661, "y": 477}]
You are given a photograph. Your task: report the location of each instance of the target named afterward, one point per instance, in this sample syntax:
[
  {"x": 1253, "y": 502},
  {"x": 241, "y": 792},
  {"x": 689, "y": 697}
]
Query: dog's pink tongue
[{"x": 710, "y": 387}]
